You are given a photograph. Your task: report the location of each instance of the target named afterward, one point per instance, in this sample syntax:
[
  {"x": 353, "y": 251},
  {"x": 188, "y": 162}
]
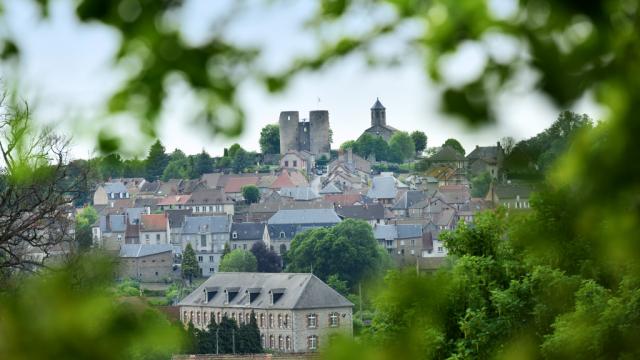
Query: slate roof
[
  {"x": 235, "y": 184},
  {"x": 343, "y": 199},
  {"x": 299, "y": 193},
  {"x": 377, "y": 105},
  {"x": 112, "y": 223},
  {"x": 134, "y": 214},
  {"x": 447, "y": 153},
  {"x": 208, "y": 197},
  {"x": 300, "y": 291},
  {"x": 211, "y": 180},
  {"x": 141, "y": 250},
  {"x": 455, "y": 194},
  {"x": 208, "y": 224},
  {"x": 115, "y": 187},
  {"x": 247, "y": 231},
  {"x": 331, "y": 188},
  {"x": 511, "y": 191},
  {"x": 305, "y": 216},
  {"x": 153, "y": 222},
  {"x": 150, "y": 187},
  {"x": 399, "y": 231},
  {"x": 363, "y": 212},
  {"x": 383, "y": 187},
  {"x": 484, "y": 153},
  {"x": 176, "y": 217},
  {"x": 408, "y": 199}
]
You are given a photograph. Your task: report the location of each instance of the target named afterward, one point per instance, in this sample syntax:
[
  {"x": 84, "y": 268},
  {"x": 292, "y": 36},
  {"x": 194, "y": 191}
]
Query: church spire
[{"x": 378, "y": 114}]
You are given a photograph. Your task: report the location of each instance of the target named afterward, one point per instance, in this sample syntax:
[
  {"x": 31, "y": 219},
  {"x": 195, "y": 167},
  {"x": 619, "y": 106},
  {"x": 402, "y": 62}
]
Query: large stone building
[
  {"x": 379, "y": 125},
  {"x": 148, "y": 263},
  {"x": 312, "y": 136},
  {"x": 295, "y": 312}
]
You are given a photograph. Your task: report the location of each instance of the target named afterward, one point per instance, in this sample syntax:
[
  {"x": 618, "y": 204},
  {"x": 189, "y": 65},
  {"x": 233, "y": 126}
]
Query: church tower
[{"x": 378, "y": 115}]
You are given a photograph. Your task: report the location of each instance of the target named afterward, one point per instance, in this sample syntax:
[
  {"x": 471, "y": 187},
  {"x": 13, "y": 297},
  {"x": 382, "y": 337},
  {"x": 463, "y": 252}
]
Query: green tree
[
  {"x": 267, "y": 260},
  {"x": 111, "y": 166},
  {"x": 134, "y": 168},
  {"x": 233, "y": 149},
  {"x": 270, "y": 139},
  {"x": 203, "y": 164},
  {"x": 349, "y": 144},
  {"x": 156, "y": 161},
  {"x": 251, "y": 194},
  {"x": 239, "y": 260},
  {"x": 249, "y": 337},
  {"x": 402, "y": 147},
  {"x": 419, "y": 141},
  {"x": 338, "y": 285},
  {"x": 241, "y": 160},
  {"x": 480, "y": 184},
  {"x": 178, "y": 167},
  {"x": 455, "y": 145},
  {"x": 85, "y": 218},
  {"x": 189, "y": 263},
  {"x": 348, "y": 250}
]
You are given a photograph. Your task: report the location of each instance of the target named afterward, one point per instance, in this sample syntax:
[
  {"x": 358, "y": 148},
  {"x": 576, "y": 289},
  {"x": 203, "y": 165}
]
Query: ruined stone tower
[
  {"x": 378, "y": 114},
  {"x": 311, "y": 136}
]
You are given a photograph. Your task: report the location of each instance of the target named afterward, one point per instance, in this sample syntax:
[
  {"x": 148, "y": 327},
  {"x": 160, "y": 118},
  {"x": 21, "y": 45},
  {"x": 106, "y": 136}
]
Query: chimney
[{"x": 349, "y": 156}]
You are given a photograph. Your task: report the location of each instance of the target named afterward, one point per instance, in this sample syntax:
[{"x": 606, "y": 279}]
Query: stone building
[
  {"x": 244, "y": 235},
  {"x": 379, "y": 125},
  {"x": 312, "y": 136},
  {"x": 207, "y": 235},
  {"x": 148, "y": 263},
  {"x": 295, "y": 312},
  {"x": 284, "y": 225}
]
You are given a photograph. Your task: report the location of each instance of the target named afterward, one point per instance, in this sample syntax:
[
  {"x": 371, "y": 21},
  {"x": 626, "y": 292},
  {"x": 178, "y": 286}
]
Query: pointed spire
[{"x": 377, "y": 105}]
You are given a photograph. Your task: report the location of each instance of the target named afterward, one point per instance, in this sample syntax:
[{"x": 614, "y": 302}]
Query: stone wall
[
  {"x": 288, "y": 123},
  {"x": 319, "y": 132},
  {"x": 152, "y": 268}
]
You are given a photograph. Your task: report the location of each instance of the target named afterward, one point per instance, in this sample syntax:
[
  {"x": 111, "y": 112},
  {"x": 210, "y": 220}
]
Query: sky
[{"x": 66, "y": 75}]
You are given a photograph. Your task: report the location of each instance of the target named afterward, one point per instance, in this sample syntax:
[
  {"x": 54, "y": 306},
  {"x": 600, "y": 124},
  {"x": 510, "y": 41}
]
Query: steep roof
[
  {"x": 383, "y": 187},
  {"x": 211, "y": 180},
  {"x": 208, "y": 224},
  {"x": 112, "y": 223},
  {"x": 153, "y": 222},
  {"x": 331, "y": 188},
  {"x": 247, "y": 231},
  {"x": 447, "y": 153},
  {"x": 208, "y": 197},
  {"x": 363, "y": 212},
  {"x": 115, "y": 187},
  {"x": 140, "y": 250},
  {"x": 235, "y": 184},
  {"x": 299, "y": 291},
  {"x": 377, "y": 105},
  {"x": 305, "y": 216},
  {"x": 299, "y": 193},
  {"x": 176, "y": 217},
  {"x": 408, "y": 199},
  {"x": 174, "y": 200}
]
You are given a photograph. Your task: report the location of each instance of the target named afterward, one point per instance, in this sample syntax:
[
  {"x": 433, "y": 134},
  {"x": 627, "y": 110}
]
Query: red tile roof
[
  {"x": 174, "y": 200},
  {"x": 235, "y": 184},
  {"x": 153, "y": 222},
  {"x": 343, "y": 199},
  {"x": 289, "y": 179}
]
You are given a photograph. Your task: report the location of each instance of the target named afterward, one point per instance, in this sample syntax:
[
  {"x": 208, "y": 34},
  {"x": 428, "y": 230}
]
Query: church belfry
[{"x": 378, "y": 115}]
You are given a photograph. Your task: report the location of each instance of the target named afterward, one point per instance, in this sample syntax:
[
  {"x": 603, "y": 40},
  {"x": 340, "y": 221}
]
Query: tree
[
  {"x": 455, "y": 145},
  {"x": 419, "y": 141},
  {"x": 177, "y": 168},
  {"x": 507, "y": 143},
  {"x": 156, "y": 161},
  {"x": 189, "y": 263},
  {"x": 233, "y": 150},
  {"x": 203, "y": 164},
  {"x": 111, "y": 166},
  {"x": 480, "y": 184},
  {"x": 267, "y": 260},
  {"x": 133, "y": 168},
  {"x": 349, "y": 144},
  {"x": 251, "y": 194},
  {"x": 401, "y": 146},
  {"x": 226, "y": 249},
  {"x": 270, "y": 139},
  {"x": 249, "y": 337},
  {"x": 348, "y": 250},
  {"x": 84, "y": 220},
  {"x": 35, "y": 191},
  {"x": 241, "y": 160},
  {"x": 239, "y": 260}
]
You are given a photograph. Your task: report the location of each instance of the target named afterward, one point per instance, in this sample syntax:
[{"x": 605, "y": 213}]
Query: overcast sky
[{"x": 65, "y": 73}]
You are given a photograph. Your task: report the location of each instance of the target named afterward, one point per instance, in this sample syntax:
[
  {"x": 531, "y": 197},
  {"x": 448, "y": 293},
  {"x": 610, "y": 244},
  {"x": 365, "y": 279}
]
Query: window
[
  {"x": 247, "y": 318},
  {"x": 264, "y": 345},
  {"x": 401, "y": 242},
  {"x": 212, "y": 270},
  {"x": 295, "y": 163},
  {"x": 280, "y": 321},
  {"x": 286, "y": 321},
  {"x": 146, "y": 236},
  {"x": 286, "y": 163},
  {"x": 210, "y": 258},
  {"x": 288, "y": 344},
  {"x": 270, "y": 321},
  {"x": 334, "y": 319},
  {"x": 262, "y": 320},
  {"x": 312, "y": 342},
  {"x": 198, "y": 317},
  {"x": 184, "y": 317},
  {"x": 157, "y": 237},
  {"x": 440, "y": 249},
  {"x": 218, "y": 317},
  {"x": 413, "y": 242},
  {"x": 234, "y": 235},
  {"x": 235, "y": 246},
  {"x": 204, "y": 318},
  {"x": 199, "y": 258},
  {"x": 282, "y": 234},
  {"x": 203, "y": 240},
  {"x": 280, "y": 342},
  {"x": 271, "y": 342},
  {"x": 312, "y": 320},
  {"x": 244, "y": 246},
  {"x": 233, "y": 316}
]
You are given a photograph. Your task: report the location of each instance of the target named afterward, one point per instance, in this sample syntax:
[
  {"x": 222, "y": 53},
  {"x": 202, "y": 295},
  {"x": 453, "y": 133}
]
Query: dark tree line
[{"x": 226, "y": 337}]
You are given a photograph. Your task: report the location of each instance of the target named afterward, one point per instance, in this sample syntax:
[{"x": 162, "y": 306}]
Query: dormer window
[
  {"x": 210, "y": 293},
  {"x": 282, "y": 234},
  {"x": 275, "y": 295},
  {"x": 252, "y": 294},
  {"x": 231, "y": 294},
  {"x": 234, "y": 235}
]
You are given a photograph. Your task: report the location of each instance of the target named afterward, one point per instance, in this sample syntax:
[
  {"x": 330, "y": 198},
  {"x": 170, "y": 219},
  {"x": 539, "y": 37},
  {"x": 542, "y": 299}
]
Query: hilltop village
[{"x": 283, "y": 239}]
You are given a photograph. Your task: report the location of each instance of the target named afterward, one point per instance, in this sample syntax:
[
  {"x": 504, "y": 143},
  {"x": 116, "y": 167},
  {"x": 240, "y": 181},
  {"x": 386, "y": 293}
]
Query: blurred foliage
[
  {"x": 68, "y": 313},
  {"x": 480, "y": 184},
  {"x": 419, "y": 141},
  {"x": 455, "y": 145},
  {"x": 85, "y": 218}
]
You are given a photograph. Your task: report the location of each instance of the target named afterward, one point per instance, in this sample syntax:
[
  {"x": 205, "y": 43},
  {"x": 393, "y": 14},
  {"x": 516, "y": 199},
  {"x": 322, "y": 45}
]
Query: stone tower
[
  {"x": 288, "y": 131},
  {"x": 319, "y": 132},
  {"x": 378, "y": 115}
]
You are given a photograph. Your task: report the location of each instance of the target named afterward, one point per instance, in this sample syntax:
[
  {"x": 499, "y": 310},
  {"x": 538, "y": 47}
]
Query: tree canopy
[
  {"x": 267, "y": 259},
  {"x": 402, "y": 147},
  {"x": 251, "y": 194},
  {"x": 419, "y": 141},
  {"x": 156, "y": 162},
  {"x": 347, "y": 250},
  {"x": 239, "y": 260},
  {"x": 270, "y": 139},
  {"x": 190, "y": 267},
  {"x": 455, "y": 145}
]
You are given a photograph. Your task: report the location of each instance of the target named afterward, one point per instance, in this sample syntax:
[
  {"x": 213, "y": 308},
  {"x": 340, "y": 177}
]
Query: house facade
[
  {"x": 285, "y": 224},
  {"x": 207, "y": 235},
  {"x": 147, "y": 263},
  {"x": 244, "y": 235},
  {"x": 295, "y": 312}
]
